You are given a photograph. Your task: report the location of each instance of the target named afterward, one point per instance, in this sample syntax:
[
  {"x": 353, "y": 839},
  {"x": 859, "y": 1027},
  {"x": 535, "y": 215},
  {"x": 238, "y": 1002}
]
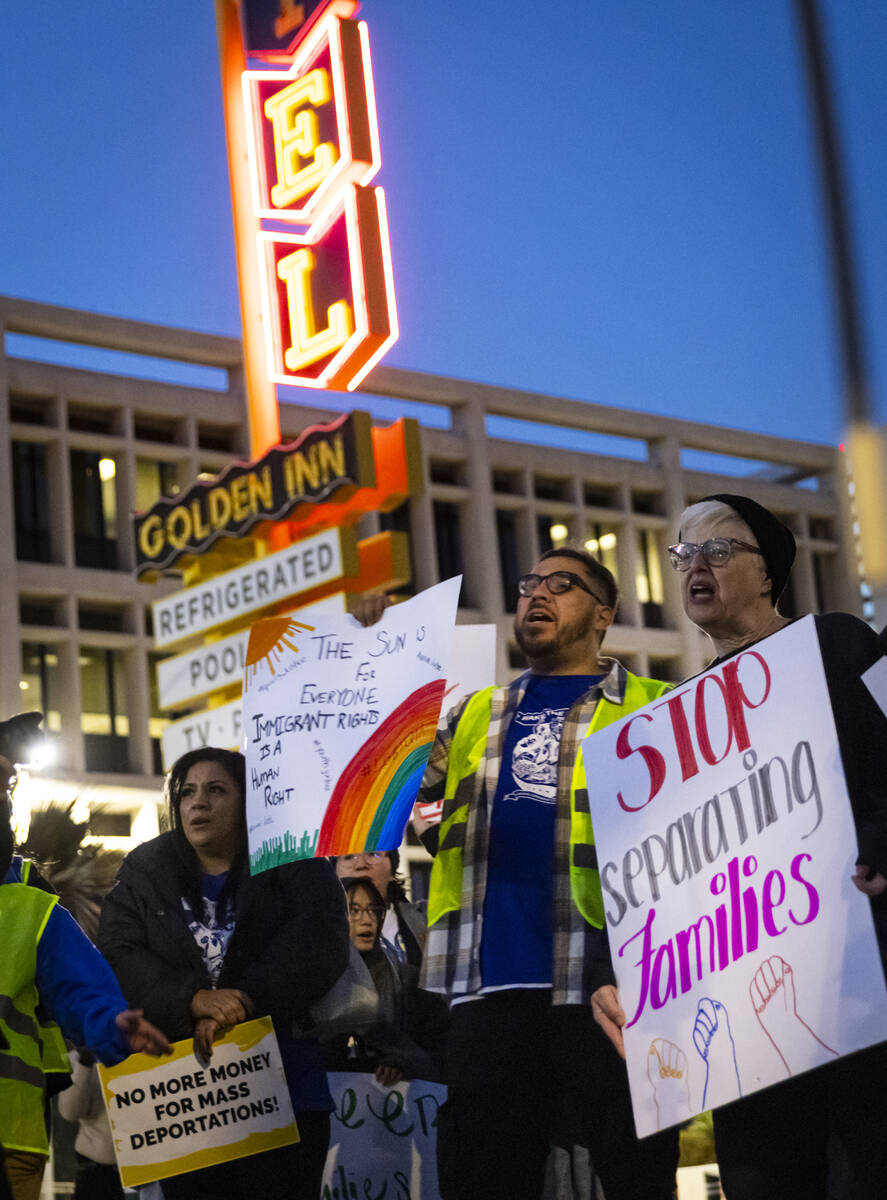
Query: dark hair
[
  {"x": 598, "y": 572},
  {"x": 187, "y": 865},
  {"x": 350, "y": 882}
]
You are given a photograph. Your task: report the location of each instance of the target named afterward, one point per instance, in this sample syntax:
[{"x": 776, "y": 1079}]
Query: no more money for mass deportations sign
[
  {"x": 338, "y": 723},
  {"x": 725, "y": 840},
  {"x": 180, "y": 1115}
]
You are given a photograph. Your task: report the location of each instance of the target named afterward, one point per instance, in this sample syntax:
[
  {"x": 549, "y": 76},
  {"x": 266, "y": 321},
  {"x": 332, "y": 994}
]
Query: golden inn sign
[{"x": 346, "y": 462}]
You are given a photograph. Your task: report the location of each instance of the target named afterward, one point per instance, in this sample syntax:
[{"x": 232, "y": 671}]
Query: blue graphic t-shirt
[
  {"x": 210, "y": 930},
  {"x": 516, "y": 948}
]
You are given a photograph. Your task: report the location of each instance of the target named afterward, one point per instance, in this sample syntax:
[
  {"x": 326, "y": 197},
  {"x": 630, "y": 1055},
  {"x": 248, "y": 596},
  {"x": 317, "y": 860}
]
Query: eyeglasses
[
  {"x": 716, "y": 552},
  {"x": 356, "y": 911},
  {"x": 557, "y": 583},
  {"x": 374, "y": 855}
]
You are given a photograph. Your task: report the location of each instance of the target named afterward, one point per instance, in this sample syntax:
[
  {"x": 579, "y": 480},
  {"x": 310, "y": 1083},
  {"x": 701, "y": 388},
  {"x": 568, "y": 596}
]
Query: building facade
[{"x": 84, "y": 446}]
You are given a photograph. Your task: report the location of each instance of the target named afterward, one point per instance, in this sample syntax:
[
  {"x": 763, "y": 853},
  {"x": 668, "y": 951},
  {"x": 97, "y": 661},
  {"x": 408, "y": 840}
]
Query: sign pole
[{"x": 264, "y": 418}]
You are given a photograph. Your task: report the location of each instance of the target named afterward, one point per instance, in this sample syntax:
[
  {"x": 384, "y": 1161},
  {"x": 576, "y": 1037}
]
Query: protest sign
[
  {"x": 383, "y": 1140},
  {"x": 176, "y": 1115},
  {"x": 472, "y": 667},
  {"x": 338, "y": 725},
  {"x": 725, "y": 843}
]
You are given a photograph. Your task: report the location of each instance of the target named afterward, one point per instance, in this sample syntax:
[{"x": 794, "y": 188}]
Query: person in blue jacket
[{"x": 47, "y": 960}]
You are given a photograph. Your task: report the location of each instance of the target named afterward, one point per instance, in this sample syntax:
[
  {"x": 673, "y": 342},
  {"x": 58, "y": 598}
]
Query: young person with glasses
[{"x": 515, "y": 910}]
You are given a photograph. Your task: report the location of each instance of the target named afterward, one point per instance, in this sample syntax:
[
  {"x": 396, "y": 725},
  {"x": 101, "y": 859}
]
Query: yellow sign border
[{"x": 245, "y": 1036}]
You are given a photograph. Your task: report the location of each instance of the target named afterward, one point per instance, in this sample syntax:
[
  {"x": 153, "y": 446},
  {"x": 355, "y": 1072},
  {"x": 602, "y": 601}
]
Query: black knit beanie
[{"x": 776, "y": 540}]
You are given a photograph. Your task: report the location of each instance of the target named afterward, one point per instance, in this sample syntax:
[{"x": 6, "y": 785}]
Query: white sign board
[
  {"x": 338, "y": 724},
  {"x": 265, "y": 581},
  {"x": 725, "y": 839},
  {"x": 383, "y": 1141},
  {"x": 176, "y": 1114},
  {"x": 472, "y": 667},
  {"x": 220, "y": 664}
]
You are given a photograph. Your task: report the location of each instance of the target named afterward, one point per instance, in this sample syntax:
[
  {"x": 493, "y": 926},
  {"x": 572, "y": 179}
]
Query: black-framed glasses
[
  {"x": 716, "y": 551},
  {"x": 557, "y": 583},
  {"x": 372, "y": 855},
  {"x": 356, "y": 911}
]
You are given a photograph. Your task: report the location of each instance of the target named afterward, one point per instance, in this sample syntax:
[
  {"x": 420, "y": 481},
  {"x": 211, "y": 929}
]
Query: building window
[
  {"x": 104, "y": 720},
  {"x": 39, "y": 683},
  {"x": 398, "y": 521},
  {"x": 600, "y": 540},
  {"x": 666, "y": 669},
  {"x": 153, "y": 480},
  {"x": 509, "y": 566},
  {"x": 94, "y": 495},
  {"x": 448, "y": 539},
  {"x": 30, "y": 484},
  {"x": 648, "y": 579}
]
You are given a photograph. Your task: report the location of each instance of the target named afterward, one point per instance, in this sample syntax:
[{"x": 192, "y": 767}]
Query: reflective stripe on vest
[
  {"x": 24, "y": 912},
  {"x": 466, "y": 751}
]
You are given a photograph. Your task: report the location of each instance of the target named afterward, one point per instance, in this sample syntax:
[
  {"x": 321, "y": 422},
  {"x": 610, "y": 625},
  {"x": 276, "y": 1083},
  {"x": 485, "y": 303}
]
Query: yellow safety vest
[
  {"x": 24, "y": 912},
  {"x": 466, "y": 754}
]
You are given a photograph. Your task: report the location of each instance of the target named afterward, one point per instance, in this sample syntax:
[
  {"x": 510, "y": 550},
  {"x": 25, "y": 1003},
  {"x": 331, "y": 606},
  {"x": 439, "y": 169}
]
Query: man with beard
[{"x": 515, "y": 911}]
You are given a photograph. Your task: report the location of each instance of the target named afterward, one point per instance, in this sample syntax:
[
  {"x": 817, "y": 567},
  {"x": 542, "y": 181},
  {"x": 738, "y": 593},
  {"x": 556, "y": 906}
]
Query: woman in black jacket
[{"x": 201, "y": 945}]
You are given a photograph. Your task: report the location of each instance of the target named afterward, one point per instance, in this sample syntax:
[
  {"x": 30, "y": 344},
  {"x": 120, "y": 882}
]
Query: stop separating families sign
[{"x": 725, "y": 841}]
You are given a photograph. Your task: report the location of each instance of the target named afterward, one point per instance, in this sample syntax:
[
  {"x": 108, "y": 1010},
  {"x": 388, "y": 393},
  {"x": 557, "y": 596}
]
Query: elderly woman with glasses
[{"x": 733, "y": 557}]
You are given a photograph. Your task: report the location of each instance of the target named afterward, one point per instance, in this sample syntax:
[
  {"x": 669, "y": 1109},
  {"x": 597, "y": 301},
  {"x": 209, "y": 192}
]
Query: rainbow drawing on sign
[{"x": 374, "y": 795}]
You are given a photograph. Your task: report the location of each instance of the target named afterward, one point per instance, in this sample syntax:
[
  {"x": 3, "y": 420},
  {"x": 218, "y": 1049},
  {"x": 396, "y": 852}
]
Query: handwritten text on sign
[
  {"x": 726, "y": 843},
  {"x": 338, "y": 724},
  {"x": 383, "y": 1141},
  {"x": 180, "y": 1115}
]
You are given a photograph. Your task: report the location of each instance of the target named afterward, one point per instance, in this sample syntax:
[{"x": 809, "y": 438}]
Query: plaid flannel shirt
[{"x": 451, "y": 964}]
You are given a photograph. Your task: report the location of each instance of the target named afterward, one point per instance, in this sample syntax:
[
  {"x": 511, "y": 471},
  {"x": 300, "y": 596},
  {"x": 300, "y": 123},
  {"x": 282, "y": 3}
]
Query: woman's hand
[
  {"x": 206, "y": 1031},
  {"x": 226, "y": 1006},
  {"x": 867, "y": 883},
  {"x": 609, "y": 1014},
  {"x": 388, "y": 1076}
]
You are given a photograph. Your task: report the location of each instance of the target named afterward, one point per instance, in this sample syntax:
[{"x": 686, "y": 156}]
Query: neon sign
[{"x": 313, "y": 141}]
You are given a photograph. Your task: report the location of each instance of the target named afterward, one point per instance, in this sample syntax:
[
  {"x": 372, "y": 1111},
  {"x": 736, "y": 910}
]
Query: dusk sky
[{"x": 612, "y": 200}]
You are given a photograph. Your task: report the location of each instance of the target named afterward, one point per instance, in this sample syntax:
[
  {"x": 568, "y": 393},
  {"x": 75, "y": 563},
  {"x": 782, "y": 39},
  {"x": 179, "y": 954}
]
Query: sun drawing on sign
[{"x": 267, "y": 641}]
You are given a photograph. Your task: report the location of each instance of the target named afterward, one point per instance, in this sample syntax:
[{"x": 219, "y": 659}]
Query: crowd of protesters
[{"x": 503, "y": 988}]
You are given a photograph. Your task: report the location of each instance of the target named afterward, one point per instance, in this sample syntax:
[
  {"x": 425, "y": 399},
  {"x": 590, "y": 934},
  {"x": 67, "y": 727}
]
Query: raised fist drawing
[
  {"x": 714, "y": 1042},
  {"x": 667, "y": 1070},
  {"x": 772, "y": 992}
]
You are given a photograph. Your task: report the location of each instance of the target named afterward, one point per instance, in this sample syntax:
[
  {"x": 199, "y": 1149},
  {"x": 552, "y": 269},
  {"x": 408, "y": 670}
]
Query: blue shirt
[{"x": 516, "y": 944}]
